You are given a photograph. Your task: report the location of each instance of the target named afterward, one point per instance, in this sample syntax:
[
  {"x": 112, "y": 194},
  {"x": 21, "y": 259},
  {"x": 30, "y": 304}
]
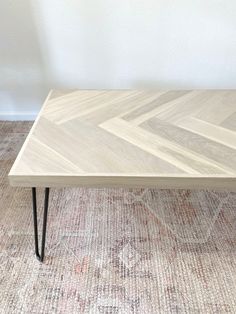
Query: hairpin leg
[{"x": 39, "y": 256}]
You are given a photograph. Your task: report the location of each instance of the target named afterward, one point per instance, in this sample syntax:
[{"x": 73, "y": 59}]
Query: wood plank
[
  {"x": 181, "y": 157},
  {"x": 218, "y": 154},
  {"x": 131, "y": 138},
  {"x": 208, "y": 130}
]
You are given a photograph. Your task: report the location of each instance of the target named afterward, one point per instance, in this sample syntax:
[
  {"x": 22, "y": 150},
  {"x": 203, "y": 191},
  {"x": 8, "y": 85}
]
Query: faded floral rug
[{"x": 115, "y": 251}]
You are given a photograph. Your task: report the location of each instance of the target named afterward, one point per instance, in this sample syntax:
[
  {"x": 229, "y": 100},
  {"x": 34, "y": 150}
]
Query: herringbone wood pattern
[{"x": 132, "y": 137}]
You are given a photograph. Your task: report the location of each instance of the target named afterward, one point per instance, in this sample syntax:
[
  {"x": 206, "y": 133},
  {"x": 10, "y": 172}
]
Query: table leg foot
[{"x": 40, "y": 256}]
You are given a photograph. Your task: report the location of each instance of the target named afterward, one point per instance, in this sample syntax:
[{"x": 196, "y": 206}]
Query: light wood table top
[{"x": 134, "y": 138}]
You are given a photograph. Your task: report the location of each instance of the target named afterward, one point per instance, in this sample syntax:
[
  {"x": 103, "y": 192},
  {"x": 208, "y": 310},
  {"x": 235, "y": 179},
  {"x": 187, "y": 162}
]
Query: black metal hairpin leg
[{"x": 40, "y": 257}]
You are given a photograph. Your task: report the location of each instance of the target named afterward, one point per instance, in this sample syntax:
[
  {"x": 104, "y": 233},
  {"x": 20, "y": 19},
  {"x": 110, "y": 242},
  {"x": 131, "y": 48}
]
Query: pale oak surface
[{"x": 169, "y": 139}]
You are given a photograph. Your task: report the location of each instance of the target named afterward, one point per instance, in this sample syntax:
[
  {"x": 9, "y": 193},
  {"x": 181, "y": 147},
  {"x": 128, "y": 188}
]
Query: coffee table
[{"x": 129, "y": 138}]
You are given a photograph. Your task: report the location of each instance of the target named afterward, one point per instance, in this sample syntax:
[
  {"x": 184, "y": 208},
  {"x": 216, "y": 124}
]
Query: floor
[{"x": 115, "y": 251}]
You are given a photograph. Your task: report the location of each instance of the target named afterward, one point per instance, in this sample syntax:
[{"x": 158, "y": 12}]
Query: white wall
[{"x": 112, "y": 44}]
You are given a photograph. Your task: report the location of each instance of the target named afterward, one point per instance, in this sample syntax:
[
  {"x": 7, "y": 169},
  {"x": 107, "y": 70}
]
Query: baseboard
[{"x": 23, "y": 116}]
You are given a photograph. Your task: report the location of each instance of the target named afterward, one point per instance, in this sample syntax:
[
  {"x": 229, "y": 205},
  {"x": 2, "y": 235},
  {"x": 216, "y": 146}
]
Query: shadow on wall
[{"x": 23, "y": 80}]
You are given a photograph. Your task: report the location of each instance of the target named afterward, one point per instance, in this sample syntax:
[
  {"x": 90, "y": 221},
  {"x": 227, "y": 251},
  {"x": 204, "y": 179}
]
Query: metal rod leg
[{"x": 40, "y": 257}]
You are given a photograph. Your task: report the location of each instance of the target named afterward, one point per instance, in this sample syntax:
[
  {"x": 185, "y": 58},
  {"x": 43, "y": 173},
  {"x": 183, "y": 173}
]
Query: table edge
[
  {"x": 132, "y": 181},
  {"x": 30, "y": 132}
]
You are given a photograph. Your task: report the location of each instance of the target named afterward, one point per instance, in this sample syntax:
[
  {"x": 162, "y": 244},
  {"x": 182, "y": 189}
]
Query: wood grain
[{"x": 169, "y": 139}]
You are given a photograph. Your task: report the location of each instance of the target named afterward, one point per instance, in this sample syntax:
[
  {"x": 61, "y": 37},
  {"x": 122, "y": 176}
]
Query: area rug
[{"x": 115, "y": 251}]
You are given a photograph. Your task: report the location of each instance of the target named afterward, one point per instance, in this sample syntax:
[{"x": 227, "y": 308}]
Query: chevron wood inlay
[{"x": 166, "y": 139}]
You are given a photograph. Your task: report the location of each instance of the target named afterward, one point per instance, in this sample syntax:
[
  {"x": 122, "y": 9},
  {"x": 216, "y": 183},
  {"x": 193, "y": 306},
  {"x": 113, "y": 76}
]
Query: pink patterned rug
[{"x": 116, "y": 251}]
